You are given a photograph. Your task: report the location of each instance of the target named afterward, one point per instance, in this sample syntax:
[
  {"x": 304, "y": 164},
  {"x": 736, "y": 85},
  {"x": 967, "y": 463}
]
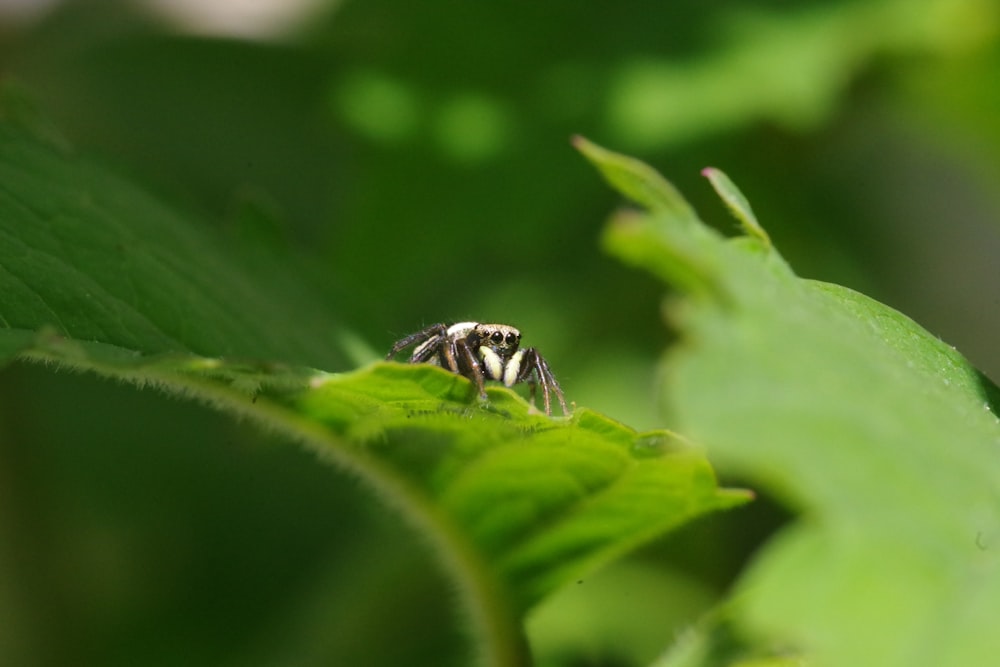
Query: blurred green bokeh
[{"x": 417, "y": 156}]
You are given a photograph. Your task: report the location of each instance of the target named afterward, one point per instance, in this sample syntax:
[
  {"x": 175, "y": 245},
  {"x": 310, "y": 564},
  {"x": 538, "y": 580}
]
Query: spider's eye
[
  {"x": 511, "y": 339},
  {"x": 497, "y": 337}
]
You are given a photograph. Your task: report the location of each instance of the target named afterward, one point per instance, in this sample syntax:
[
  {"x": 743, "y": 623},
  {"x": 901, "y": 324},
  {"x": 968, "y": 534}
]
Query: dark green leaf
[{"x": 85, "y": 252}]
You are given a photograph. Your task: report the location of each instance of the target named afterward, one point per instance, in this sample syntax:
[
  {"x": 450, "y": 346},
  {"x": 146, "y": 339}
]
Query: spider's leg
[
  {"x": 551, "y": 386},
  {"x": 471, "y": 368},
  {"x": 528, "y": 372},
  {"x": 536, "y": 367},
  {"x": 546, "y": 398},
  {"x": 448, "y": 355},
  {"x": 425, "y": 337},
  {"x": 533, "y": 389}
]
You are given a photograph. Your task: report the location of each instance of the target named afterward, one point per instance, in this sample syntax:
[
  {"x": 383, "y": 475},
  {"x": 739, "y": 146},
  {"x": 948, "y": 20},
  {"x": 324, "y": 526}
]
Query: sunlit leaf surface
[{"x": 882, "y": 437}]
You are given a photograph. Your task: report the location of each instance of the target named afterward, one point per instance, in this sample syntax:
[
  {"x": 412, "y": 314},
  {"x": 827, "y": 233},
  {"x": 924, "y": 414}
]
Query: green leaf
[
  {"x": 880, "y": 435},
  {"x": 642, "y": 185},
  {"x": 737, "y": 203},
  {"x": 788, "y": 67},
  {"x": 103, "y": 277},
  {"x": 87, "y": 253},
  {"x": 545, "y": 500},
  {"x": 639, "y": 182},
  {"x": 515, "y": 503}
]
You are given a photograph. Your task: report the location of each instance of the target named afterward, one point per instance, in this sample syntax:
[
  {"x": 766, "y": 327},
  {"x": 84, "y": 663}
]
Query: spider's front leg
[
  {"x": 535, "y": 369},
  {"x": 469, "y": 366}
]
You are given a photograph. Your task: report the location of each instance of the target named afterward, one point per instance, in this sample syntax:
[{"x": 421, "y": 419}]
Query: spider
[{"x": 482, "y": 352}]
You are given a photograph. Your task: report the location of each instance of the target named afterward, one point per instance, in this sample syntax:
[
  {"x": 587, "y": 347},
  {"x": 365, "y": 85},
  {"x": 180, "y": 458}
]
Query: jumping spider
[{"x": 483, "y": 352}]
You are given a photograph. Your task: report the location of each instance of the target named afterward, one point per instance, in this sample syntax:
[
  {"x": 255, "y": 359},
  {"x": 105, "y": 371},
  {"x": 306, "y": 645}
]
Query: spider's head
[
  {"x": 498, "y": 345},
  {"x": 503, "y": 339}
]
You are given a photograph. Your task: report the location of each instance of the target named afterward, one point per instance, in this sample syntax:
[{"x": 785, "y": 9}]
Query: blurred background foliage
[{"x": 414, "y": 158}]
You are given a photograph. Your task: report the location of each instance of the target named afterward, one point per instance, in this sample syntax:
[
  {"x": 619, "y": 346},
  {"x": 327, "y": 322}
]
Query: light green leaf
[
  {"x": 639, "y": 182},
  {"x": 737, "y": 203},
  {"x": 642, "y": 185},
  {"x": 880, "y": 435},
  {"x": 789, "y": 66},
  {"x": 545, "y": 500},
  {"x": 103, "y": 277}
]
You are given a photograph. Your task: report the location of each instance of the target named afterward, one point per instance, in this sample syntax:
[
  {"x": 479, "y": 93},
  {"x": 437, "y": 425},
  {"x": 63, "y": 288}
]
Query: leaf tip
[
  {"x": 637, "y": 181},
  {"x": 594, "y": 153},
  {"x": 737, "y": 204}
]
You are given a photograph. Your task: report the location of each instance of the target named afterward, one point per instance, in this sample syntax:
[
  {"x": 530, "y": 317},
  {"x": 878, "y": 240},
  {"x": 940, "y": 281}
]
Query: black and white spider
[{"x": 483, "y": 352}]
